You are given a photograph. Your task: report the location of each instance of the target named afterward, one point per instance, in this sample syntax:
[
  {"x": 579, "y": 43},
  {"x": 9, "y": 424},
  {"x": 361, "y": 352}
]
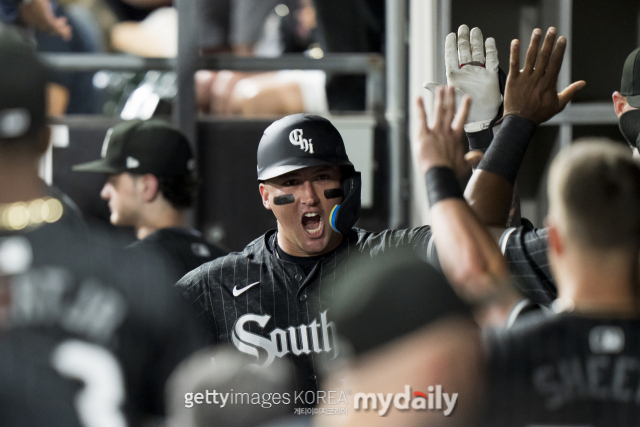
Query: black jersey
[
  {"x": 565, "y": 370},
  {"x": 525, "y": 250},
  {"x": 267, "y": 307},
  {"x": 184, "y": 248},
  {"x": 100, "y": 317}
]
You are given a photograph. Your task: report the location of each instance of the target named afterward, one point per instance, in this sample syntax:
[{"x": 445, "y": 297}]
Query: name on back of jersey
[
  {"x": 49, "y": 297},
  {"x": 596, "y": 377}
]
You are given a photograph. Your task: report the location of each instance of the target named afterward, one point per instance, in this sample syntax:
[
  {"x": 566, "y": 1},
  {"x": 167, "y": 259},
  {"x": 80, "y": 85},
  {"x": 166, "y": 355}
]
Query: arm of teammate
[
  {"x": 531, "y": 98},
  {"x": 469, "y": 255}
]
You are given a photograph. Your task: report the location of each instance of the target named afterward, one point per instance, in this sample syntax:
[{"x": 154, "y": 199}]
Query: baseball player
[
  {"x": 490, "y": 188},
  {"x": 530, "y": 99},
  {"x": 272, "y": 299},
  {"x": 525, "y": 247},
  {"x": 579, "y": 366},
  {"x": 150, "y": 184},
  {"x": 86, "y": 335}
]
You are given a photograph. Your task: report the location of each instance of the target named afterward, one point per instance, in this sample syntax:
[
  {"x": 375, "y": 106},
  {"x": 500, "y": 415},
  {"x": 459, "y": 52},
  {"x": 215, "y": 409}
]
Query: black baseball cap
[
  {"x": 384, "y": 298},
  {"x": 143, "y": 146},
  {"x": 22, "y": 87},
  {"x": 630, "y": 85},
  {"x": 299, "y": 141}
]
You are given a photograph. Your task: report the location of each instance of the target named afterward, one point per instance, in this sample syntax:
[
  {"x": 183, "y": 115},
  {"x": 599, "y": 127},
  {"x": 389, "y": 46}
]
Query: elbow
[
  {"x": 469, "y": 271},
  {"x": 477, "y": 277}
]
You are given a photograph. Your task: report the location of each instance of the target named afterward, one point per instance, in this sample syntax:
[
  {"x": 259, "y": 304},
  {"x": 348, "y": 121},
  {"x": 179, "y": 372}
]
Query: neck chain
[{"x": 20, "y": 215}]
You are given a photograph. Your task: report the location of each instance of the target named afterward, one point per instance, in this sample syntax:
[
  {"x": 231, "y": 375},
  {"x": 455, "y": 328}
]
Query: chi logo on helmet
[{"x": 296, "y": 139}]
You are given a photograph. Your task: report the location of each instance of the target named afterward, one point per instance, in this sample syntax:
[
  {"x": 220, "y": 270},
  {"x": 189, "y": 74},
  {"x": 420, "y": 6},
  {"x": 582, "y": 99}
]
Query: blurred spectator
[
  {"x": 72, "y": 92},
  {"x": 350, "y": 26},
  {"x": 36, "y": 14}
]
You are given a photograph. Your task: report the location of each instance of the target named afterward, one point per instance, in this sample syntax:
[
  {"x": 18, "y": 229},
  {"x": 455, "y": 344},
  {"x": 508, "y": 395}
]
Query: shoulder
[
  {"x": 213, "y": 270},
  {"x": 379, "y": 241},
  {"x": 531, "y": 329},
  {"x": 525, "y": 238}
]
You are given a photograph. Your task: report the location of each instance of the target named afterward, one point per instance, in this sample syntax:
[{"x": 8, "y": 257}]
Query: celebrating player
[
  {"x": 525, "y": 247},
  {"x": 577, "y": 367},
  {"x": 87, "y": 337},
  {"x": 272, "y": 299},
  {"x": 530, "y": 99},
  {"x": 149, "y": 186}
]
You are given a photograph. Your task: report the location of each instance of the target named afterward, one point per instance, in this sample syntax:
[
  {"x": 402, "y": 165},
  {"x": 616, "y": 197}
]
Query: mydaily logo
[
  {"x": 403, "y": 401},
  {"x": 316, "y": 337}
]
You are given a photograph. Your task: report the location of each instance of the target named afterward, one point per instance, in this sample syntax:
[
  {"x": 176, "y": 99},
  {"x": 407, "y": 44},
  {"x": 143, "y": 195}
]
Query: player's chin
[{"x": 316, "y": 245}]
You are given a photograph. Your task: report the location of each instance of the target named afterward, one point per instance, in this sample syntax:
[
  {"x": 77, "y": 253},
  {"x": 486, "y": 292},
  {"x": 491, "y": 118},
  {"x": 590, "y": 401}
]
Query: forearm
[
  {"x": 468, "y": 254},
  {"x": 489, "y": 196},
  {"x": 490, "y": 190}
]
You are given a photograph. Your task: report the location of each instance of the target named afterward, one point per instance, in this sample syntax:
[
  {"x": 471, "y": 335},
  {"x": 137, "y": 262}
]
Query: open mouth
[{"x": 312, "y": 224}]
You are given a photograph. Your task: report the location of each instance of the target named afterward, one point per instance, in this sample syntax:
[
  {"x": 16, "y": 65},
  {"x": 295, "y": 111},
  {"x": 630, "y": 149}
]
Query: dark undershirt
[{"x": 305, "y": 263}]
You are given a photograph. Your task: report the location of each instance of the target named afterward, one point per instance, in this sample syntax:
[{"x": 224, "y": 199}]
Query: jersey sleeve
[
  {"x": 377, "y": 243},
  {"x": 525, "y": 250}
]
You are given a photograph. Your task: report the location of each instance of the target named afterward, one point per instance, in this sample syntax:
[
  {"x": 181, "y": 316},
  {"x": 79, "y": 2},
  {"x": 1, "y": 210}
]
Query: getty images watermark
[{"x": 334, "y": 402}]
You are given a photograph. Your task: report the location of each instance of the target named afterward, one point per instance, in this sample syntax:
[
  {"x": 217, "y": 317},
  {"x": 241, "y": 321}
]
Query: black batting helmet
[{"x": 304, "y": 140}]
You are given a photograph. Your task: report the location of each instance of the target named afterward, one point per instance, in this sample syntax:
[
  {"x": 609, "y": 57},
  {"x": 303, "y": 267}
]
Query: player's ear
[
  {"x": 150, "y": 187},
  {"x": 619, "y": 102},
  {"x": 264, "y": 192},
  {"x": 554, "y": 239}
]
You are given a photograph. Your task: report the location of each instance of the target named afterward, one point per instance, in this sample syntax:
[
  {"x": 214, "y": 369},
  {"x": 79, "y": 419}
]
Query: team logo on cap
[
  {"x": 132, "y": 162},
  {"x": 14, "y": 122},
  {"x": 296, "y": 139}
]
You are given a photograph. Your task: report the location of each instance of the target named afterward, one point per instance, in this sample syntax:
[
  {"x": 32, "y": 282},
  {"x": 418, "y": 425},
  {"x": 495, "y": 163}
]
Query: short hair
[
  {"x": 594, "y": 188},
  {"x": 180, "y": 191}
]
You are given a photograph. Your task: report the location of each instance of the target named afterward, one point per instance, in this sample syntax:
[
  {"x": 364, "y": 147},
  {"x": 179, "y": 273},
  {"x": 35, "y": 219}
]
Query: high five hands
[
  {"x": 531, "y": 91},
  {"x": 441, "y": 143}
]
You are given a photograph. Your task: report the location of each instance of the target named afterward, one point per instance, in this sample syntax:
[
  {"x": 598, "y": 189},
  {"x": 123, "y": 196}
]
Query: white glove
[{"x": 474, "y": 78}]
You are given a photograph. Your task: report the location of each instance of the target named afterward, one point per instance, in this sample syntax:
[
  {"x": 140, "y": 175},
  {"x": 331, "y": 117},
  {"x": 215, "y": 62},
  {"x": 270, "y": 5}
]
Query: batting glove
[{"x": 471, "y": 74}]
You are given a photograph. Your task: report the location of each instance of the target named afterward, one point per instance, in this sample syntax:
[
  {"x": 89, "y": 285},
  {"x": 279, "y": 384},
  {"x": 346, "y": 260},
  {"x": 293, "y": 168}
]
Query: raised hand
[
  {"x": 471, "y": 74},
  {"x": 531, "y": 92},
  {"x": 441, "y": 143}
]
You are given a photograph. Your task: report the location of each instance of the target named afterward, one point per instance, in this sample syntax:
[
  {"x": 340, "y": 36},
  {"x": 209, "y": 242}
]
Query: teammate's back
[
  {"x": 85, "y": 322},
  {"x": 580, "y": 366},
  {"x": 564, "y": 369}
]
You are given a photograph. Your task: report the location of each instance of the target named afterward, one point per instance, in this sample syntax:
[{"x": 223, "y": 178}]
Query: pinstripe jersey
[
  {"x": 267, "y": 308},
  {"x": 525, "y": 249},
  {"x": 565, "y": 370}
]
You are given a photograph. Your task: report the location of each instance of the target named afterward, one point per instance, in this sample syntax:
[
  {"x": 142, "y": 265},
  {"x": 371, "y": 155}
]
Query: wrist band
[
  {"x": 480, "y": 140},
  {"x": 442, "y": 184},
  {"x": 507, "y": 150}
]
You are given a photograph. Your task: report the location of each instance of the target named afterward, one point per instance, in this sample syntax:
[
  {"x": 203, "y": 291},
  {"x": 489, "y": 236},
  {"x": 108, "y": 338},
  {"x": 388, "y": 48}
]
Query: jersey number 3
[{"x": 98, "y": 403}]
